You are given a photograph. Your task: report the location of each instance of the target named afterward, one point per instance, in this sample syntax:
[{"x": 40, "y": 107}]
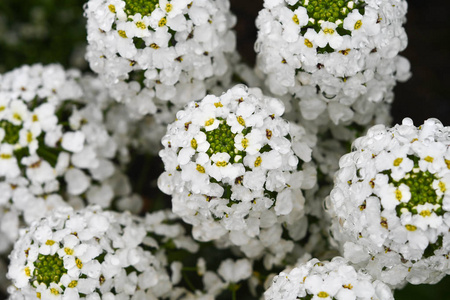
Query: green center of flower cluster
[
  {"x": 11, "y": 132},
  {"x": 328, "y": 10},
  {"x": 48, "y": 269},
  {"x": 221, "y": 140},
  {"x": 144, "y": 7},
  {"x": 420, "y": 185}
]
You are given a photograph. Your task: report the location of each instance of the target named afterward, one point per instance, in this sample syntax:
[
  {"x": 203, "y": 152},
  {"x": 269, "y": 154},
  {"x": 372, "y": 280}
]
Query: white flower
[{"x": 394, "y": 184}]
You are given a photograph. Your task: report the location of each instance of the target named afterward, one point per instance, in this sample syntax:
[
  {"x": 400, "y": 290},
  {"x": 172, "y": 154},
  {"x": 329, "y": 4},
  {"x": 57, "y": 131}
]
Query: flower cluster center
[
  {"x": 328, "y": 10},
  {"x": 11, "y": 132},
  {"x": 48, "y": 269},
  {"x": 143, "y": 7},
  {"x": 420, "y": 185},
  {"x": 221, "y": 140}
]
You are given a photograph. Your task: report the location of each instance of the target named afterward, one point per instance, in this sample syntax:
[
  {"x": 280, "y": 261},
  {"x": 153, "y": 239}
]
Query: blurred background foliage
[{"x": 53, "y": 31}]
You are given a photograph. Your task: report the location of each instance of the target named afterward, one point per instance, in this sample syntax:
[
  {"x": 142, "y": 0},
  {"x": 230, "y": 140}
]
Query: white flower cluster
[
  {"x": 232, "y": 166},
  {"x": 337, "y": 58},
  {"x": 93, "y": 254},
  {"x": 55, "y": 149},
  {"x": 326, "y": 280},
  {"x": 391, "y": 202},
  {"x": 148, "y": 51}
]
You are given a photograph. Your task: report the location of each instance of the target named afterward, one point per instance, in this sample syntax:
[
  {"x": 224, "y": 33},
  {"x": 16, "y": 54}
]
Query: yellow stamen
[
  {"x": 425, "y": 213},
  {"x": 194, "y": 144},
  {"x": 398, "y": 161},
  {"x": 442, "y": 186},
  {"x": 112, "y": 8},
  {"x": 218, "y": 104},
  {"x": 244, "y": 143},
  {"x": 429, "y": 159},
  {"x": 140, "y": 25},
  {"x": 295, "y": 19},
  {"x": 358, "y": 24},
  {"x": 200, "y": 168},
  {"x": 398, "y": 195},
  {"x": 79, "y": 263},
  {"x": 50, "y": 242},
  {"x": 162, "y": 22},
  {"x": 209, "y": 122},
  {"x": 308, "y": 43},
  {"x": 73, "y": 284},
  {"x": 410, "y": 227},
  {"x": 122, "y": 34},
  {"x": 328, "y": 30},
  {"x": 258, "y": 161},
  {"x": 240, "y": 120},
  {"x": 68, "y": 251},
  {"x": 322, "y": 295},
  {"x": 221, "y": 163}
]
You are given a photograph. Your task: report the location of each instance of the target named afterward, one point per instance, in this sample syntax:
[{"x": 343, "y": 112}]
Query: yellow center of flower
[
  {"x": 5, "y": 156},
  {"x": 308, "y": 43},
  {"x": 258, "y": 161},
  {"x": 244, "y": 143},
  {"x": 322, "y": 294},
  {"x": 162, "y": 22},
  {"x": 295, "y": 19},
  {"x": 442, "y": 186},
  {"x": 50, "y": 242},
  {"x": 169, "y": 7},
  {"x": 209, "y": 122},
  {"x": 425, "y": 213},
  {"x": 112, "y": 8},
  {"x": 328, "y": 30},
  {"x": 218, "y": 104},
  {"x": 240, "y": 120},
  {"x": 410, "y": 227},
  {"x": 79, "y": 263},
  {"x": 68, "y": 251},
  {"x": 194, "y": 144},
  {"x": 429, "y": 159},
  {"x": 358, "y": 24},
  {"x": 398, "y": 195},
  {"x": 221, "y": 163},
  {"x": 122, "y": 34},
  {"x": 398, "y": 161},
  {"x": 54, "y": 291},
  {"x": 200, "y": 168},
  {"x": 27, "y": 272},
  {"x": 140, "y": 25},
  {"x": 73, "y": 284}
]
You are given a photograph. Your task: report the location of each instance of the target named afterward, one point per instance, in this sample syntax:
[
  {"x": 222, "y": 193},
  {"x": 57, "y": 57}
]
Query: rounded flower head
[
  {"x": 326, "y": 280},
  {"x": 55, "y": 145},
  {"x": 390, "y": 201},
  {"x": 69, "y": 255},
  {"x": 230, "y": 166},
  {"x": 150, "y": 52},
  {"x": 333, "y": 56}
]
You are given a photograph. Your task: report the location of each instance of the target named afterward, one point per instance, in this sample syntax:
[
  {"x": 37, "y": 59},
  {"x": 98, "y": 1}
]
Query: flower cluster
[
  {"x": 230, "y": 168},
  {"x": 391, "y": 202},
  {"x": 326, "y": 280},
  {"x": 105, "y": 255},
  {"x": 338, "y": 58},
  {"x": 55, "y": 148},
  {"x": 147, "y": 51}
]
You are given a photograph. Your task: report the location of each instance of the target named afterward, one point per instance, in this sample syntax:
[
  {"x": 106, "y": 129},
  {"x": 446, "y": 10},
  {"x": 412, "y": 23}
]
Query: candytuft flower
[{"x": 390, "y": 202}]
